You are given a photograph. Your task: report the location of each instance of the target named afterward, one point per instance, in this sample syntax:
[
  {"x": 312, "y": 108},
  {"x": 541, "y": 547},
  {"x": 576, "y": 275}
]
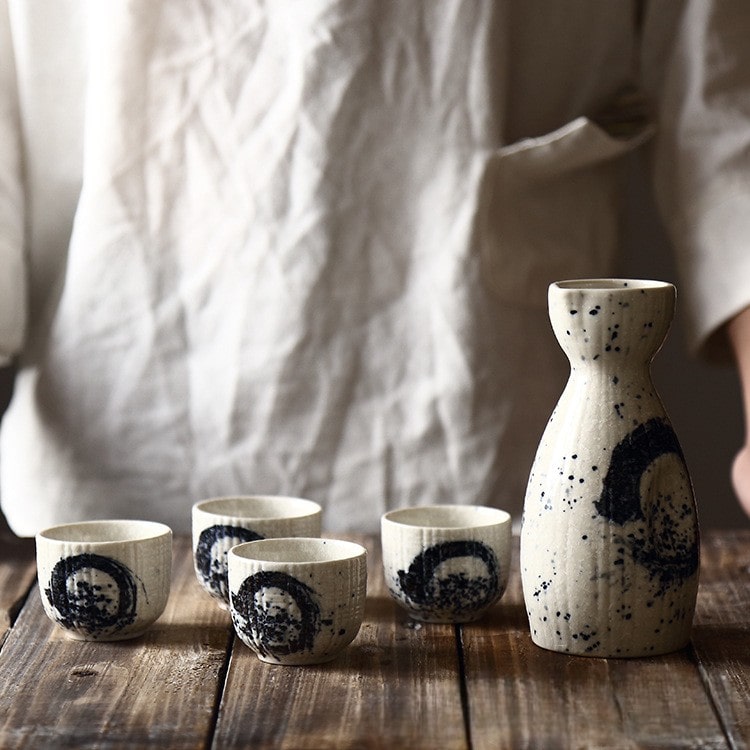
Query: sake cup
[
  {"x": 446, "y": 563},
  {"x": 297, "y": 600},
  {"x": 220, "y": 523},
  {"x": 104, "y": 580}
]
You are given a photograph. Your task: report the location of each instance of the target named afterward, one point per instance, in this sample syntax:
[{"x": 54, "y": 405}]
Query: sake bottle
[{"x": 609, "y": 539}]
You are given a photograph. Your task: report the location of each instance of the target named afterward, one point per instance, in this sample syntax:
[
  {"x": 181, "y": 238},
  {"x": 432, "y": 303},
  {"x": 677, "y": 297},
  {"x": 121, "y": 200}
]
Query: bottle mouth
[
  {"x": 610, "y": 284},
  {"x": 601, "y": 321}
]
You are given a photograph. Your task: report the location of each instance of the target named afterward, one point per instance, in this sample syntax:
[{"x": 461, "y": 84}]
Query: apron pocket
[{"x": 549, "y": 210}]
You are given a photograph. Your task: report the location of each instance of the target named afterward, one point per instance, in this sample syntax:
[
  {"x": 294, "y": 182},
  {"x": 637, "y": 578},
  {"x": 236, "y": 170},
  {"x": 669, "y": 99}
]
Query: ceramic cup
[
  {"x": 104, "y": 580},
  {"x": 446, "y": 563},
  {"x": 297, "y": 600},
  {"x": 220, "y": 523}
]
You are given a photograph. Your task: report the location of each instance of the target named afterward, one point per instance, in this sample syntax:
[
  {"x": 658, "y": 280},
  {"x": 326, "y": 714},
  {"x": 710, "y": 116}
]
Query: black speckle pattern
[
  {"x": 610, "y": 543},
  {"x": 277, "y": 614},
  {"x": 211, "y": 556},
  {"x": 666, "y": 543},
  {"x": 93, "y": 595},
  {"x": 620, "y": 499},
  {"x": 444, "y": 582}
]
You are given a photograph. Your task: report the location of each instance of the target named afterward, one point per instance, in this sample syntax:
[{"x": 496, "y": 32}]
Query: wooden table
[{"x": 189, "y": 683}]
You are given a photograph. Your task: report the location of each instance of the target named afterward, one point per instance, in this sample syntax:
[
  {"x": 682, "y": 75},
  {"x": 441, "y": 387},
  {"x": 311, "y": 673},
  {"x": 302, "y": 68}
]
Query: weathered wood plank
[
  {"x": 17, "y": 576},
  {"x": 721, "y": 637},
  {"x": 159, "y": 690},
  {"x": 521, "y": 696},
  {"x": 396, "y": 686}
]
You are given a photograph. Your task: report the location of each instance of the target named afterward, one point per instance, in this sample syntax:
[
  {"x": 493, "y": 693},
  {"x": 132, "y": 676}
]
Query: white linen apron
[{"x": 300, "y": 247}]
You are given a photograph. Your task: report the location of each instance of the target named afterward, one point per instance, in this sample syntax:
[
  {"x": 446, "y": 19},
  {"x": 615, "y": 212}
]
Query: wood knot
[{"x": 82, "y": 672}]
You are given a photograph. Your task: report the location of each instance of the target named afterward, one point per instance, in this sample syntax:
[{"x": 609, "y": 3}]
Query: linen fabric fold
[{"x": 296, "y": 248}]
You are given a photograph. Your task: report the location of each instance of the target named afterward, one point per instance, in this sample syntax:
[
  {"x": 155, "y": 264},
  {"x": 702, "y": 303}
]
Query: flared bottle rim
[{"x": 605, "y": 284}]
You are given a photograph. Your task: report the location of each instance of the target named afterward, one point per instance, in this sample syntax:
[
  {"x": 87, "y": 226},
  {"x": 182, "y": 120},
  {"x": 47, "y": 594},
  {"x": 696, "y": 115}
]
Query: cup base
[
  {"x": 448, "y": 620},
  {"x": 626, "y": 651},
  {"x": 298, "y": 662},
  {"x": 105, "y": 638}
]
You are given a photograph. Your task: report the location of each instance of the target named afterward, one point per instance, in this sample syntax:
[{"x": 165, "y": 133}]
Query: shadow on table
[
  {"x": 502, "y": 617},
  {"x": 177, "y": 636},
  {"x": 14, "y": 549},
  {"x": 722, "y": 643},
  {"x": 389, "y": 641}
]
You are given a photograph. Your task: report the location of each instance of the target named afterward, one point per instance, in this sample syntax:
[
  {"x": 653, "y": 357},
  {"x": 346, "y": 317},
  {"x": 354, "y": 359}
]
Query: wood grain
[
  {"x": 396, "y": 686},
  {"x": 522, "y": 696},
  {"x": 17, "y": 577},
  {"x": 721, "y": 636},
  {"x": 159, "y": 690}
]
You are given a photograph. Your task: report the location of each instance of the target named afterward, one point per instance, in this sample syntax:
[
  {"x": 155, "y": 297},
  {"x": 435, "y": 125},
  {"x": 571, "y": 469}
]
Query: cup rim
[
  {"x": 104, "y": 531},
  {"x": 260, "y": 507},
  {"x": 467, "y": 516},
  {"x": 297, "y": 551},
  {"x": 608, "y": 284}
]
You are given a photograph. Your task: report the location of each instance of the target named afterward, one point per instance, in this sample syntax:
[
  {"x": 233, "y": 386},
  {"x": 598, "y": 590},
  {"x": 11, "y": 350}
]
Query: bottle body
[{"x": 609, "y": 542}]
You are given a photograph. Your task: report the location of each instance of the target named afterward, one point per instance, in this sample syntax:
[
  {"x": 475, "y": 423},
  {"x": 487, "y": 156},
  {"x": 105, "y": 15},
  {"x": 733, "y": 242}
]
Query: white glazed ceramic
[
  {"x": 297, "y": 600},
  {"x": 609, "y": 540},
  {"x": 104, "y": 580},
  {"x": 221, "y": 523},
  {"x": 446, "y": 563}
]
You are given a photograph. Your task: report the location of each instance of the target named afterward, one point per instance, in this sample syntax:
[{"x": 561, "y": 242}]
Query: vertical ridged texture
[
  {"x": 220, "y": 523},
  {"x": 453, "y": 567},
  {"x": 609, "y": 543},
  {"x": 299, "y": 612},
  {"x": 100, "y": 590}
]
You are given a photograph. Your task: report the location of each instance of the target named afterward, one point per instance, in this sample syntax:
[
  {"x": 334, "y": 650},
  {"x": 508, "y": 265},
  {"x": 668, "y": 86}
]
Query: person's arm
[
  {"x": 738, "y": 331},
  {"x": 702, "y": 178}
]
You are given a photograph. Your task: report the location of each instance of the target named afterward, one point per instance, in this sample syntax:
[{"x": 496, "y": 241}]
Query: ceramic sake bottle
[{"x": 609, "y": 541}]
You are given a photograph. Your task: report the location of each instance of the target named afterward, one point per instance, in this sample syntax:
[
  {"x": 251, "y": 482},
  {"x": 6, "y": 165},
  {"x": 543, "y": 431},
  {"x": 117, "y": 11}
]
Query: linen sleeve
[
  {"x": 702, "y": 166},
  {"x": 13, "y": 274}
]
